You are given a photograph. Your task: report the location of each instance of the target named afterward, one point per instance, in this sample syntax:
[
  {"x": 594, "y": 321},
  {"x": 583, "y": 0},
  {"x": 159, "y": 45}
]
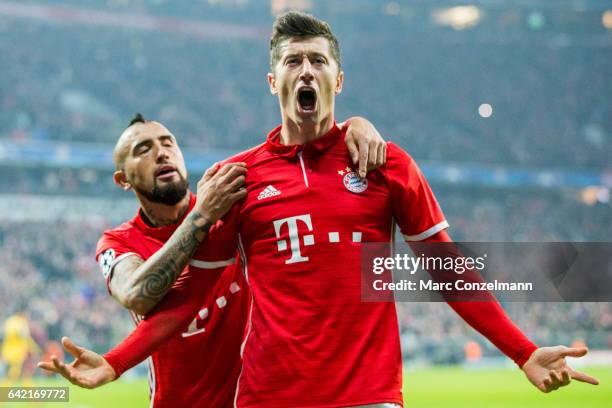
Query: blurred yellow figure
[{"x": 17, "y": 346}]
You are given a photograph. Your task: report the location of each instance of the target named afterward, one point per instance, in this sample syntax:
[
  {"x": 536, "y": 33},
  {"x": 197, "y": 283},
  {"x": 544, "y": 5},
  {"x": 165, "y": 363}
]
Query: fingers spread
[
  {"x": 61, "y": 368},
  {"x": 565, "y": 377},
  {"x": 45, "y": 365},
  {"x": 72, "y": 348},
  {"x": 556, "y": 380},
  {"x": 577, "y": 375}
]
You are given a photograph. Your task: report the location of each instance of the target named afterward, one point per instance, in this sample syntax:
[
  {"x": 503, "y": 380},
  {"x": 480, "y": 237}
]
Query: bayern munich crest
[{"x": 352, "y": 181}]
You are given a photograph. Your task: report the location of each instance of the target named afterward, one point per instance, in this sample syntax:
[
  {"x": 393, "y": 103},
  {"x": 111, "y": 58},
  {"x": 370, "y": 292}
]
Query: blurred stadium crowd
[{"x": 75, "y": 79}]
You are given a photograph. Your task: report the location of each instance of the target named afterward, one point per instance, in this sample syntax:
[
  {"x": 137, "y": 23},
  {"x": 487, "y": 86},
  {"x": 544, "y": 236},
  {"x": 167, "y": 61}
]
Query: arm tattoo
[{"x": 165, "y": 266}]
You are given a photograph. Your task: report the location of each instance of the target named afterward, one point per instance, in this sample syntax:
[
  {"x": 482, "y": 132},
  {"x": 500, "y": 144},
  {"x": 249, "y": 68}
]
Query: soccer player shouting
[
  {"x": 310, "y": 341},
  {"x": 142, "y": 259}
]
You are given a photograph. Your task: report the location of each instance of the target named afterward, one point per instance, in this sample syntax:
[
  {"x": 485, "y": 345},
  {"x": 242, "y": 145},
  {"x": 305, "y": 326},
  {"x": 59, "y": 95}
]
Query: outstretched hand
[
  {"x": 88, "y": 370},
  {"x": 548, "y": 370}
]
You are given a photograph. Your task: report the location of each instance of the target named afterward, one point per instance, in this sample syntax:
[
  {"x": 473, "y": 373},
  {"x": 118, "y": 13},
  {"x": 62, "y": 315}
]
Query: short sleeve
[
  {"x": 414, "y": 205},
  {"x": 111, "y": 250}
]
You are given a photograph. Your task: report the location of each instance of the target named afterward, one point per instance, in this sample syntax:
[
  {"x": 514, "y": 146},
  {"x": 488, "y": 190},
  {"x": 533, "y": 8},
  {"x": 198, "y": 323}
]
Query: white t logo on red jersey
[{"x": 294, "y": 238}]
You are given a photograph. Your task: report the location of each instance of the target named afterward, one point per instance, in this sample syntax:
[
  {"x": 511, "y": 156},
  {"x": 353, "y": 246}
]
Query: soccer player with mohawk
[{"x": 311, "y": 341}]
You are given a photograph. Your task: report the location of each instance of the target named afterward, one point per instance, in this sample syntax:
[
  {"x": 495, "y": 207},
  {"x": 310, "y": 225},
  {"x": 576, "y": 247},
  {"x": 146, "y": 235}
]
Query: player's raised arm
[
  {"x": 483, "y": 313},
  {"x": 365, "y": 144},
  {"x": 422, "y": 221},
  {"x": 139, "y": 285},
  {"x": 545, "y": 367}
]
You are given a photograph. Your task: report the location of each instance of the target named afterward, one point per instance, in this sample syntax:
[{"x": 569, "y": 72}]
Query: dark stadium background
[{"x": 72, "y": 73}]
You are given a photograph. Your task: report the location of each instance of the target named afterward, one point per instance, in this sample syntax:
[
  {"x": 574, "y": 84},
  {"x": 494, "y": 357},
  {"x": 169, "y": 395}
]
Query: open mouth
[
  {"x": 165, "y": 172},
  {"x": 307, "y": 99}
]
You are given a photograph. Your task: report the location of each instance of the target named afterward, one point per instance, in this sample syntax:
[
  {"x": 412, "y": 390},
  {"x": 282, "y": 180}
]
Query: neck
[
  {"x": 294, "y": 133},
  {"x": 160, "y": 215}
]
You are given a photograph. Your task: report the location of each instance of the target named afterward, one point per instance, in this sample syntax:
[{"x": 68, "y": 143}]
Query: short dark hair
[
  {"x": 138, "y": 118},
  {"x": 298, "y": 24}
]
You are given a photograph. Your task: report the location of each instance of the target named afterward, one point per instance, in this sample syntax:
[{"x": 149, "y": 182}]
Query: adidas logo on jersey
[{"x": 268, "y": 192}]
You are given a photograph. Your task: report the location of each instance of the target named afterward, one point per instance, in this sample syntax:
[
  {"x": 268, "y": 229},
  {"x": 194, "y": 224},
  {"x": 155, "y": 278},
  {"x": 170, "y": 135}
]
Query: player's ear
[
  {"x": 339, "y": 82},
  {"x": 272, "y": 83},
  {"x": 121, "y": 180}
]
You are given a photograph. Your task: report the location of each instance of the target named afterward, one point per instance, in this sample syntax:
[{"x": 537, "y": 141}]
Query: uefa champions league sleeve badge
[
  {"x": 352, "y": 181},
  {"x": 106, "y": 261}
]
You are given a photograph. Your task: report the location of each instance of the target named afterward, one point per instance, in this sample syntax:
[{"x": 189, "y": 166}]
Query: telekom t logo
[{"x": 294, "y": 237}]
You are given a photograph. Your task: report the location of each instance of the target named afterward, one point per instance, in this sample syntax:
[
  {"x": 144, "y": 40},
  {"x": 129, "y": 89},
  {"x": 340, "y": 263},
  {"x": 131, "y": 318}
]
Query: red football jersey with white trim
[
  {"x": 311, "y": 341},
  {"x": 200, "y": 365}
]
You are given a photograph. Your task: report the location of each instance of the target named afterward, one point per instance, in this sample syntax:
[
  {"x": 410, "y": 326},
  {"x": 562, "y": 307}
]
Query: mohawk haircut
[
  {"x": 119, "y": 151},
  {"x": 138, "y": 118},
  {"x": 302, "y": 25}
]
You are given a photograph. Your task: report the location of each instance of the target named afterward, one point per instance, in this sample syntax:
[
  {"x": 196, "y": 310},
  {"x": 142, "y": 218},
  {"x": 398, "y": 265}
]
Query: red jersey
[
  {"x": 311, "y": 341},
  {"x": 198, "y": 366}
]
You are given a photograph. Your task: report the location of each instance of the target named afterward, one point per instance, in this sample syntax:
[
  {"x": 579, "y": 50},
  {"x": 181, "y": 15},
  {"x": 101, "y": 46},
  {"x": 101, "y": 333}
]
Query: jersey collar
[
  {"x": 162, "y": 233},
  {"x": 319, "y": 145}
]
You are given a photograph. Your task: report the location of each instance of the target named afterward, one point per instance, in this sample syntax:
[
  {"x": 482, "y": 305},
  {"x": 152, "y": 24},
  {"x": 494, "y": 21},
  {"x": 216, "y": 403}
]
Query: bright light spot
[
  {"x": 459, "y": 17},
  {"x": 453, "y": 174},
  {"x": 588, "y": 195},
  {"x": 62, "y": 153},
  {"x": 485, "y": 110},
  {"x": 535, "y": 20},
  {"x": 593, "y": 194},
  {"x": 603, "y": 195},
  {"x": 606, "y": 19}
]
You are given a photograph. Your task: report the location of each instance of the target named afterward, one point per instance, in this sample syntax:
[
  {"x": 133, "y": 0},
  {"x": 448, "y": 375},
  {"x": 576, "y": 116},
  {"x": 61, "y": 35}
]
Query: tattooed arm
[{"x": 140, "y": 284}]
